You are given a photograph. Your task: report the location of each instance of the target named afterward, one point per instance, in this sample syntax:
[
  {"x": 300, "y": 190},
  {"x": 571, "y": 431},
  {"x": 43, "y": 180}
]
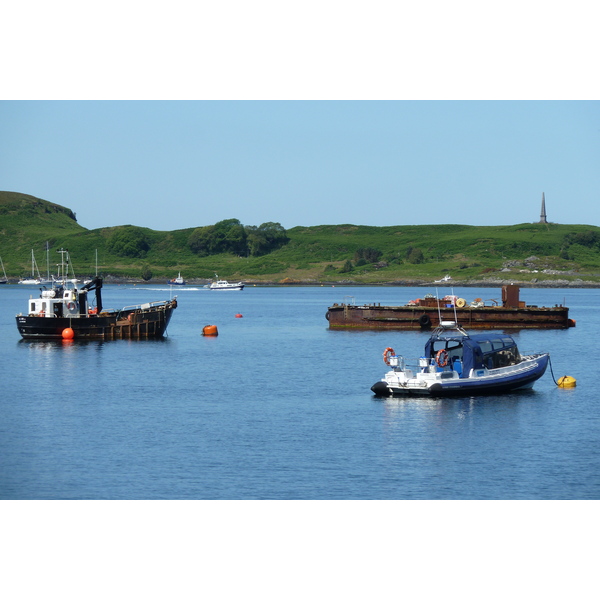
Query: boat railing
[{"x": 144, "y": 306}]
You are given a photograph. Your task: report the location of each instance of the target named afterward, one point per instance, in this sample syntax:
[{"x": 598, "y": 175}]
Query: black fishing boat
[{"x": 66, "y": 313}]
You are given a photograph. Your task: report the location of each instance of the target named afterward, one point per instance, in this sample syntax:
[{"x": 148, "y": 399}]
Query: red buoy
[
  {"x": 238, "y": 316},
  {"x": 68, "y": 334}
]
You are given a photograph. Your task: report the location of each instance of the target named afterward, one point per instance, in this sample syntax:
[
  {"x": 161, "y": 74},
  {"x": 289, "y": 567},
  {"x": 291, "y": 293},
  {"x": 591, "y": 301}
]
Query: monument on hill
[{"x": 543, "y": 213}]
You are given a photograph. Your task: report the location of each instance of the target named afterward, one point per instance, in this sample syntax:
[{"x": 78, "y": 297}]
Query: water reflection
[{"x": 400, "y": 407}]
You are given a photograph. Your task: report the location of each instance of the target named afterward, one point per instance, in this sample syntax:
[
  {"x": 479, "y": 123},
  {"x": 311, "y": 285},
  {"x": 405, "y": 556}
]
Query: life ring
[
  {"x": 424, "y": 321},
  {"x": 386, "y": 355},
  {"x": 71, "y": 305},
  {"x": 461, "y": 303},
  {"x": 92, "y": 311},
  {"x": 441, "y": 358}
]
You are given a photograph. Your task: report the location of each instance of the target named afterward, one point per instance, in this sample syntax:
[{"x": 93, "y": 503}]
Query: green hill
[{"x": 527, "y": 252}]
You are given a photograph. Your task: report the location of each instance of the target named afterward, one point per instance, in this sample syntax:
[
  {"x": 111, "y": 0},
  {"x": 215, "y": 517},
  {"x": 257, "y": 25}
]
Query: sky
[
  {"x": 302, "y": 113},
  {"x": 172, "y": 165}
]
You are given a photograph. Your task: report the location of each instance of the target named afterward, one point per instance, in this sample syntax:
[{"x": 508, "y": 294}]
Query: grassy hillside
[{"x": 325, "y": 253}]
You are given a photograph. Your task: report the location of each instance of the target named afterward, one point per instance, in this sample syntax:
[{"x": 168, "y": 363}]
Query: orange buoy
[
  {"x": 238, "y": 316},
  {"x": 210, "y": 330},
  {"x": 68, "y": 333}
]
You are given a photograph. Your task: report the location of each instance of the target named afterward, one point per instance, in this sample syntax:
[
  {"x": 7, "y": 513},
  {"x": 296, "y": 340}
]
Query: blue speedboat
[{"x": 456, "y": 363}]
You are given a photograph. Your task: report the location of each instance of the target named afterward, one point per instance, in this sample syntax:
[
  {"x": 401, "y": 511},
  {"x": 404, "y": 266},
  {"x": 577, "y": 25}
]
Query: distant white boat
[
  {"x": 223, "y": 284},
  {"x": 177, "y": 280},
  {"x": 443, "y": 279}
]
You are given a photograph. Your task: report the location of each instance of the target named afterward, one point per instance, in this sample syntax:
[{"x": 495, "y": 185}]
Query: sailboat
[
  {"x": 33, "y": 280},
  {"x": 5, "y": 280}
]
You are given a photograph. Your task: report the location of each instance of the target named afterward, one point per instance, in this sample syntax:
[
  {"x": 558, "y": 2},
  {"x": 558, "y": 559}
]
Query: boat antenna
[{"x": 454, "y": 305}]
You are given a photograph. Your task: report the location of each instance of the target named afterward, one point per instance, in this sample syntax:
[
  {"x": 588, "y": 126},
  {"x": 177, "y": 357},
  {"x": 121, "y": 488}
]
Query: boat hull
[
  {"x": 495, "y": 383},
  {"x": 230, "y": 288},
  {"x": 408, "y": 317},
  {"x": 137, "y": 323}
]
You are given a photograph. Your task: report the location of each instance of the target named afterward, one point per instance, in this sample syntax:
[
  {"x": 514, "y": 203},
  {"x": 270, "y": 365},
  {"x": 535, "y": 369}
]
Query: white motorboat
[
  {"x": 458, "y": 363},
  {"x": 223, "y": 284},
  {"x": 177, "y": 280}
]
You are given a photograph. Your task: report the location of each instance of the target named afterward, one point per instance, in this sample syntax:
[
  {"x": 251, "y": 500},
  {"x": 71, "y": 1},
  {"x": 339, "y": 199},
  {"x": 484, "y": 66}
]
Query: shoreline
[{"x": 483, "y": 283}]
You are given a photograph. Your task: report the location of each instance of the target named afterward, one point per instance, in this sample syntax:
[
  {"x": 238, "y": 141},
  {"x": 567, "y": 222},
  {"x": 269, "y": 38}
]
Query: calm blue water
[{"x": 279, "y": 407}]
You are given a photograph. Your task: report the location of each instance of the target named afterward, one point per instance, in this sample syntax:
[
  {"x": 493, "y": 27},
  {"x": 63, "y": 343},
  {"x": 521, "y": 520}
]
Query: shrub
[
  {"x": 128, "y": 241},
  {"x": 146, "y": 273},
  {"x": 415, "y": 256},
  {"x": 347, "y": 267}
]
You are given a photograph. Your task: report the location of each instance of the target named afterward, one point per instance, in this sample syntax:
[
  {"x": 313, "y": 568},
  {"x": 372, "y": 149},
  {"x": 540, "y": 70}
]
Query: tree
[
  {"x": 146, "y": 273},
  {"x": 129, "y": 241},
  {"x": 266, "y": 238},
  {"x": 202, "y": 241},
  {"x": 368, "y": 255},
  {"x": 415, "y": 256},
  {"x": 231, "y": 236},
  {"x": 347, "y": 267}
]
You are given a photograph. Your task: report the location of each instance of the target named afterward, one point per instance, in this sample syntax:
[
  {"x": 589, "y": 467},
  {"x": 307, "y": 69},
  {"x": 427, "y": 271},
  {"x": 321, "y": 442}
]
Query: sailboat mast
[{"x": 48, "y": 261}]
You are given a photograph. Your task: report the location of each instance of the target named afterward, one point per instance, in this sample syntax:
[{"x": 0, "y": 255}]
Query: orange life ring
[
  {"x": 71, "y": 305},
  {"x": 92, "y": 311},
  {"x": 441, "y": 358},
  {"x": 386, "y": 355}
]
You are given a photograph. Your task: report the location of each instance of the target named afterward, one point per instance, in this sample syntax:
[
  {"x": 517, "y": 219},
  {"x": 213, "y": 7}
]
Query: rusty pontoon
[{"x": 425, "y": 313}]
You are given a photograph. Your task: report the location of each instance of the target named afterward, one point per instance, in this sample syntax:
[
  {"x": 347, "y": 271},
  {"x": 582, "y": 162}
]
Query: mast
[{"x": 48, "y": 261}]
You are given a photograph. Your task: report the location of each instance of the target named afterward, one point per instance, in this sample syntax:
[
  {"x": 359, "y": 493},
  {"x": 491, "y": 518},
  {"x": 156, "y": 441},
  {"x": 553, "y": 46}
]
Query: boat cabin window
[
  {"x": 506, "y": 356},
  {"x": 454, "y": 349},
  {"x": 486, "y": 346}
]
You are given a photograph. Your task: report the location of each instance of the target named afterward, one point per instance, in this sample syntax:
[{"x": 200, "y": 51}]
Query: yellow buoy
[{"x": 567, "y": 382}]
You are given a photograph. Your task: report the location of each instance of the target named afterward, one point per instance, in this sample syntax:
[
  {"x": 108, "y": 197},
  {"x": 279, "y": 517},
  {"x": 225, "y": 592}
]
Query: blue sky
[
  {"x": 177, "y": 164},
  {"x": 319, "y": 112}
]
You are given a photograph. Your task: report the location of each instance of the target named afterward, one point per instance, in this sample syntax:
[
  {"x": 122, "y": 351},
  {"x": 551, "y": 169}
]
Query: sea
[{"x": 279, "y": 407}]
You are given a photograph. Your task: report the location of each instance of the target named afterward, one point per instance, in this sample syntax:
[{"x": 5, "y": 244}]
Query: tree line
[{"x": 228, "y": 236}]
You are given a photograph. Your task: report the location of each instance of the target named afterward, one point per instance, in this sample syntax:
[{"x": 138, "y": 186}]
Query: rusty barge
[{"x": 427, "y": 313}]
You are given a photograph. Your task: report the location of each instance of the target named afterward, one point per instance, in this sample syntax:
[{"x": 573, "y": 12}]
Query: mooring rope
[{"x": 551, "y": 371}]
